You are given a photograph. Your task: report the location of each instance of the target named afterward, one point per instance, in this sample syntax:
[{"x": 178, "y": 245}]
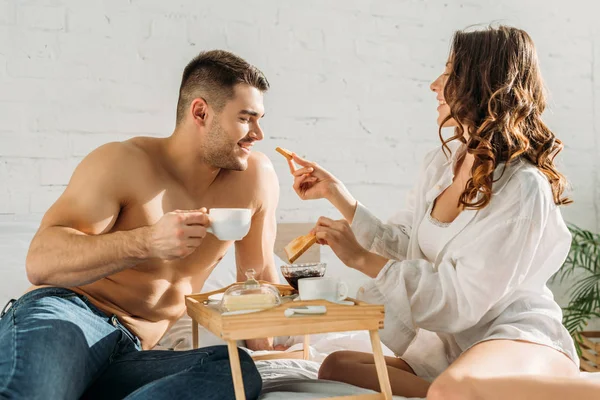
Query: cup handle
[{"x": 342, "y": 290}]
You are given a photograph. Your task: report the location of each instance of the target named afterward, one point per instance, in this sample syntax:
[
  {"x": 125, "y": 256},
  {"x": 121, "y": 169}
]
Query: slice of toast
[
  {"x": 284, "y": 152},
  {"x": 298, "y": 246}
]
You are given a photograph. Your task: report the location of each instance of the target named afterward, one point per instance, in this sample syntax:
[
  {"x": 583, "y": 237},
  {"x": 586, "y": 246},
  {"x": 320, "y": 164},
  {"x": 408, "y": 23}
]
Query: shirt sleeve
[{"x": 389, "y": 240}]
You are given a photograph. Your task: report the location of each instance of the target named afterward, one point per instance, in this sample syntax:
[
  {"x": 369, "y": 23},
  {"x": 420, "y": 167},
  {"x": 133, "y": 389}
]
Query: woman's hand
[
  {"x": 314, "y": 182},
  {"x": 339, "y": 236}
]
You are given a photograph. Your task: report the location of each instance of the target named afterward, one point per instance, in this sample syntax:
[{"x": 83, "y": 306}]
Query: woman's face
[{"x": 438, "y": 87}]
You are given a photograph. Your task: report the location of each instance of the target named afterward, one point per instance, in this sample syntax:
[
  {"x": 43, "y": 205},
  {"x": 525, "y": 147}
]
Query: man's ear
[{"x": 200, "y": 110}]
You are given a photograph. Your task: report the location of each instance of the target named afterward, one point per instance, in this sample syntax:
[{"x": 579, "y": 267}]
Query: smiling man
[{"x": 118, "y": 251}]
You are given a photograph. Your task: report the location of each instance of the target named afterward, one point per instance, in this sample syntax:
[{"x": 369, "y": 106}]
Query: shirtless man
[{"x": 118, "y": 251}]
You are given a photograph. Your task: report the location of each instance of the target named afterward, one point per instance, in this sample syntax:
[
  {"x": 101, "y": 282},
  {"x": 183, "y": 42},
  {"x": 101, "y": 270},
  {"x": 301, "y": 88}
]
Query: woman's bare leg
[
  {"x": 359, "y": 369},
  {"x": 534, "y": 388},
  {"x": 500, "y": 361}
]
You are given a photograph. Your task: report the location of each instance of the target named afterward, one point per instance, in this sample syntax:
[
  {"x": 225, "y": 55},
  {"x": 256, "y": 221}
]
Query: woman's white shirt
[{"x": 489, "y": 273}]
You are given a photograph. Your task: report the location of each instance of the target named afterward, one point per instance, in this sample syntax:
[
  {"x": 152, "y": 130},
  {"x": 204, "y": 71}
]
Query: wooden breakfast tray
[{"x": 272, "y": 322}]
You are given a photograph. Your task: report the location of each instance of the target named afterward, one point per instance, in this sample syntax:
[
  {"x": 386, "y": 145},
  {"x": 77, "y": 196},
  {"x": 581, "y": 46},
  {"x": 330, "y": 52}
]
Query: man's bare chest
[{"x": 149, "y": 206}]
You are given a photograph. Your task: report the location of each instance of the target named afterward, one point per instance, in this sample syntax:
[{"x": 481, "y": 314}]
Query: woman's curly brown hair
[{"x": 496, "y": 90}]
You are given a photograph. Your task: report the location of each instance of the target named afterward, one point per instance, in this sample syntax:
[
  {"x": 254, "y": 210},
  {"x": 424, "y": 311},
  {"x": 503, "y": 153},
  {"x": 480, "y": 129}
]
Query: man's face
[{"x": 234, "y": 130}]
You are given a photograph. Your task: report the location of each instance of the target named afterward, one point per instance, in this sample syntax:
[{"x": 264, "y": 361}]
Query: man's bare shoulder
[
  {"x": 260, "y": 171},
  {"x": 146, "y": 152},
  {"x": 103, "y": 181},
  {"x": 259, "y": 181},
  {"x": 116, "y": 167},
  {"x": 120, "y": 158}
]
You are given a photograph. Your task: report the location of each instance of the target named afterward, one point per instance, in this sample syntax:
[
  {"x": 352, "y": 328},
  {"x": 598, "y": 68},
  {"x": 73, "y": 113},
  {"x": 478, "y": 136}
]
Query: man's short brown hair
[{"x": 212, "y": 75}]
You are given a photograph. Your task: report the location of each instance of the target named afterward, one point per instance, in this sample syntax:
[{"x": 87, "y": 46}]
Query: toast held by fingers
[
  {"x": 284, "y": 152},
  {"x": 298, "y": 246}
]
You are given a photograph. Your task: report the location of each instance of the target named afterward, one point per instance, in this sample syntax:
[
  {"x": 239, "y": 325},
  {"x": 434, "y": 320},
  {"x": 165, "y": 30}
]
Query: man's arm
[
  {"x": 256, "y": 249},
  {"x": 66, "y": 250},
  {"x": 72, "y": 246}
]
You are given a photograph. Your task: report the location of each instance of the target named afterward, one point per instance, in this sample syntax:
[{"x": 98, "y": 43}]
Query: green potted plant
[{"x": 583, "y": 267}]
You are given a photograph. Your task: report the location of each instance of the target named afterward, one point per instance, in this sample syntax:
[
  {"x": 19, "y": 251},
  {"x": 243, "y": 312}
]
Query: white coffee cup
[
  {"x": 322, "y": 288},
  {"x": 229, "y": 223}
]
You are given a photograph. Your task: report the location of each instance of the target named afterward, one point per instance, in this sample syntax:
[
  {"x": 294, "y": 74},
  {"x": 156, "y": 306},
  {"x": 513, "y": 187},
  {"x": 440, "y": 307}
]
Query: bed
[{"x": 297, "y": 379}]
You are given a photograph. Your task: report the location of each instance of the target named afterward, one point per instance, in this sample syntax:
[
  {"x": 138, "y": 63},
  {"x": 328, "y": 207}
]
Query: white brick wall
[{"x": 345, "y": 75}]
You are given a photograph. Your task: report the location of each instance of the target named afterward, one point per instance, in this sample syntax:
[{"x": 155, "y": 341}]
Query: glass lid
[{"x": 250, "y": 295}]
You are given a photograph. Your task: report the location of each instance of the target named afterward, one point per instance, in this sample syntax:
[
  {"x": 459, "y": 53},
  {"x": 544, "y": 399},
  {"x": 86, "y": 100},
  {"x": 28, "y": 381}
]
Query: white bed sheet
[{"x": 297, "y": 379}]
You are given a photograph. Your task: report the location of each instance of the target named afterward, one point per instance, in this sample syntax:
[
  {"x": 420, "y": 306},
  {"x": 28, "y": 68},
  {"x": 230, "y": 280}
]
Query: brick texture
[{"x": 350, "y": 85}]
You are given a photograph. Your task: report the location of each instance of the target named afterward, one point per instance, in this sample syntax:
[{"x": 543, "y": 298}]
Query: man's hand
[{"x": 177, "y": 234}]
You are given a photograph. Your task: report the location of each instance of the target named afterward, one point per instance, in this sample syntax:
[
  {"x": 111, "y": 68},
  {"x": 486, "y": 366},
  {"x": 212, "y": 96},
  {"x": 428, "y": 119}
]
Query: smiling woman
[
  {"x": 462, "y": 269},
  {"x": 494, "y": 97}
]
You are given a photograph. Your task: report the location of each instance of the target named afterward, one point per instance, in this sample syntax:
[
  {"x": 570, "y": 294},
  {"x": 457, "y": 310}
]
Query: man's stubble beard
[{"x": 218, "y": 153}]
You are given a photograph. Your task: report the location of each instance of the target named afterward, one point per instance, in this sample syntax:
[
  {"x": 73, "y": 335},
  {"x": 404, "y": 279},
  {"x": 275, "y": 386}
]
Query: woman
[{"x": 462, "y": 271}]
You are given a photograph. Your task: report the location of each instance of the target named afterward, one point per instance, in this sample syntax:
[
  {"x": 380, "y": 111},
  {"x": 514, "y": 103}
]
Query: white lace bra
[{"x": 433, "y": 235}]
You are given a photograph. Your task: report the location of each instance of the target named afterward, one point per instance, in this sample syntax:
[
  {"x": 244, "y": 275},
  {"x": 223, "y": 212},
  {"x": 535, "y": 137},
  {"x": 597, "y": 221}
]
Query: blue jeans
[{"x": 54, "y": 344}]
